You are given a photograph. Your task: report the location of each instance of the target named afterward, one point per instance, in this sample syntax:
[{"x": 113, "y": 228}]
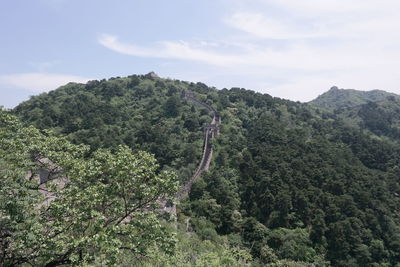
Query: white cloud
[
  {"x": 38, "y": 82},
  {"x": 304, "y": 46},
  {"x": 324, "y": 8},
  {"x": 294, "y": 56},
  {"x": 171, "y": 50},
  {"x": 261, "y": 26},
  {"x": 111, "y": 42},
  {"x": 351, "y": 26}
]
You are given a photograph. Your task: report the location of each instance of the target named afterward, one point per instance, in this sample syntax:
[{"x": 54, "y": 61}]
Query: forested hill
[
  {"x": 142, "y": 112},
  {"x": 381, "y": 118},
  {"x": 337, "y": 98},
  {"x": 288, "y": 181},
  {"x": 377, "y": 112}
]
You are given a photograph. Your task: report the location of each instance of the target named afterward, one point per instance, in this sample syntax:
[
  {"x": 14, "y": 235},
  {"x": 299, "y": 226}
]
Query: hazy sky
[{"x": 287, "y": 48}]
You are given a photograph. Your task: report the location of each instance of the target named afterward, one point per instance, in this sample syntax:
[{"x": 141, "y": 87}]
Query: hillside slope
[
  {"x": 287, "y": 181},
  {"x": 381, "y": 118},
  {"x": 85, "y": 219},
  {"x": 337, "y": 98},
  {"x": 142, "y": 112},
  {"x": 376, "y": 112}
]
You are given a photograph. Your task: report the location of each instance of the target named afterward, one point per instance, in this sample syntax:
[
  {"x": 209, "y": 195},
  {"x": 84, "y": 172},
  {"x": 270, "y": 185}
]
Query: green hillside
[
  {"x": 376, "y": 112},
  {"x": 143, "y": 113},
  {"x": 381, "y": 118},
  {"x": 98, "y": 208},
  {"x": 337, "y": 98},
  {"x": 288, "y": 181}
]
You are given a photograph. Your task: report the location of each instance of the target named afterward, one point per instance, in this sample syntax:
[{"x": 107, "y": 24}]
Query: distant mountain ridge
[
  {"x": 337, "y": 98},
  {"x": 376, "y": 111}
]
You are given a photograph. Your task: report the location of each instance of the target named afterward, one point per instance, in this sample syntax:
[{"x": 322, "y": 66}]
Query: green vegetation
[
  {"x": 293, "y": 169},
  {"x": 344, "y": 98},
  {"x": 143, "y": 113},
  {"x": 192, "y": 250},
  {"x": 95, "y": 207},
  {"x": 290, "y": 183},
  {"x": 381, "y": 118}
]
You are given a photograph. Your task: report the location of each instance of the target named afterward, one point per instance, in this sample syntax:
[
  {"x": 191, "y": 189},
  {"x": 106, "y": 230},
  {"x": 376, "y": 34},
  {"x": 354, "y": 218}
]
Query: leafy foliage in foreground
[
  {"x": 99, "y": 211},
  {"x": 191, "y": 250}
]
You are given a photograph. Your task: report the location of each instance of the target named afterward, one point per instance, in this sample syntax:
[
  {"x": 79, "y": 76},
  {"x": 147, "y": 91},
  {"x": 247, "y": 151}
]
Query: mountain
[
  {"x": 381, "y": 118},
  {"x": 337, "y": 98},
  {"x": 142, "y": 112},
  {"x": 377, "y": 112},
  {"x": 288, "y": 182}
]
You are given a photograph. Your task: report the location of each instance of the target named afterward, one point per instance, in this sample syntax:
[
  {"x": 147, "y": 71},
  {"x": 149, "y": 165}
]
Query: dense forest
[
  {"x": 141, "y": 113},
  {"x": 379, "y": 118},
  {"x": 290, "y": 184},
  {"x": 96, "y": 207}
]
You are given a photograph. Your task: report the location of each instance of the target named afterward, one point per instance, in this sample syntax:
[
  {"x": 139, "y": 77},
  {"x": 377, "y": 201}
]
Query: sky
[{"x": 286, "y": 48}]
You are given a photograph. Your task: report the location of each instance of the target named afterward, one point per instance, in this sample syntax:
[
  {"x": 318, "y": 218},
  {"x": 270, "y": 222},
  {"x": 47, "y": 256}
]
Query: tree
[
  {"x": 97, "y": 205},
  {"x": 172, "y": 106}
]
